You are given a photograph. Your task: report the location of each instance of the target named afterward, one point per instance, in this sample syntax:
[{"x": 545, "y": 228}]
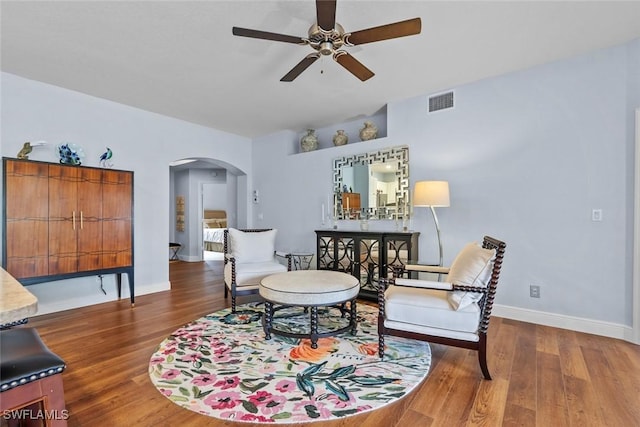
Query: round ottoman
[{"x": 310, "y": 289}]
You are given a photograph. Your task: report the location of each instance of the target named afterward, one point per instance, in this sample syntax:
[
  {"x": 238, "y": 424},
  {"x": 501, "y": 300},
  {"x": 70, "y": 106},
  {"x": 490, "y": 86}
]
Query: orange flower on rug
[{"x": 221, "y": 366}]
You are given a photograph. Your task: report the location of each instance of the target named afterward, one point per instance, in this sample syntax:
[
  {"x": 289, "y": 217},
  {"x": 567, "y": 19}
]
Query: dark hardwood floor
[{"x": 542, "y": 376}]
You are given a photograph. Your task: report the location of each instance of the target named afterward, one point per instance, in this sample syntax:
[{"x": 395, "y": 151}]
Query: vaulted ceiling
[{"x": 180, "y": 59}]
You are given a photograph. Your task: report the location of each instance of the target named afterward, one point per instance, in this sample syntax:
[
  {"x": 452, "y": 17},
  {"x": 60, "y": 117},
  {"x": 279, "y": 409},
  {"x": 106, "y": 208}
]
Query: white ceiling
[{"x": 179, "y": 58}]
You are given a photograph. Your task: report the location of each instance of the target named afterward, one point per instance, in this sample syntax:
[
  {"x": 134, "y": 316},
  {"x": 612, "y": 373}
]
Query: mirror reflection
[{"x": 372, "y": 185}]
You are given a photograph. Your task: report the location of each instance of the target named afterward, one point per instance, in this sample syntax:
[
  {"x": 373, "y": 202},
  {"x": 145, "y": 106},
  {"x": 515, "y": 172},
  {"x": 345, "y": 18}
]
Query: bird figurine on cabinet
[
  {"x": 27, "y": 148},
  {"x": 105, "y": 157}
]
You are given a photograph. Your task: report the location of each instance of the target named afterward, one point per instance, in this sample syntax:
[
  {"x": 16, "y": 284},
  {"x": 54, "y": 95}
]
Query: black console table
[{"x": 367, "y": 255}]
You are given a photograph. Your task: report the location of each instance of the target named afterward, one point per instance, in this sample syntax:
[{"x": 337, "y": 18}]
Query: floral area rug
[{"x": 220, "y": 365}]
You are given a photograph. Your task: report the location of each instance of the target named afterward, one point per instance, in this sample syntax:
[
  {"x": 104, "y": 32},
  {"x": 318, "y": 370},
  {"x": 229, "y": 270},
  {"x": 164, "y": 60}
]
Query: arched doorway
[{"x": 190, "y": 182}]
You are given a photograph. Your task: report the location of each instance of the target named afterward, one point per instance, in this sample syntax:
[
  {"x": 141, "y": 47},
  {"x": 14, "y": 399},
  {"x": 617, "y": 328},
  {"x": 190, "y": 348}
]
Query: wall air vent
[{"x": 440, "y": 102}]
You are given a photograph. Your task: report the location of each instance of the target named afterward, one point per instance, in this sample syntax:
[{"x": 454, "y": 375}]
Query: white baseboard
[{"x": 589, "y": 326}]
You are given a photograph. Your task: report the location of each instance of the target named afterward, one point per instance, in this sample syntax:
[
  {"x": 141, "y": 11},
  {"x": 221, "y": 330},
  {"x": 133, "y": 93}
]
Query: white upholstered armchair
[
  {"x": 249, "y": 256},
  {"x": 454, "y": 312}
]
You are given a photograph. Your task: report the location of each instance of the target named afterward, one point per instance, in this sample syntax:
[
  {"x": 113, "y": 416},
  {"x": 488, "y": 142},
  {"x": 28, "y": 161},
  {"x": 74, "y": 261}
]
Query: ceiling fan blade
[
  {"x": 352, "y": 65},
  {"x": 256, "y": 34},
  {"x": 300, "y": 67},
  {"x": 384, "y": 32},
  {"x": 326, "y": 13}
]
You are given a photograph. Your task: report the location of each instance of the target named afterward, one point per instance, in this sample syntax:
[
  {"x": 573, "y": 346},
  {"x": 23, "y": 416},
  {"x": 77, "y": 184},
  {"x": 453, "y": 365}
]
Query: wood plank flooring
[{"x": 542, "y": 376}]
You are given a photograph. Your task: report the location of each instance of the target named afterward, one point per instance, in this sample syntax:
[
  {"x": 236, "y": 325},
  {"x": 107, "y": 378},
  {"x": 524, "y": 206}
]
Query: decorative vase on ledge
[
  {"x": 369, "y": 131},
  {"x": 340, "y": 138},
  {"x": 309, "y": 142}
]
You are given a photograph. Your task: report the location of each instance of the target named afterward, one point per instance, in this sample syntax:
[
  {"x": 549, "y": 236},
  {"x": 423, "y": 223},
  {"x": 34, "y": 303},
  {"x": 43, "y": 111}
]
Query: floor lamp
[{"x": 432, "y": 194}]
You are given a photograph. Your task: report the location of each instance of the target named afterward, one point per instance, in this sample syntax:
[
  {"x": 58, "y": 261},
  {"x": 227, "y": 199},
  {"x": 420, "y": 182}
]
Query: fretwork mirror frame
[{"x": 395, "y": 156}]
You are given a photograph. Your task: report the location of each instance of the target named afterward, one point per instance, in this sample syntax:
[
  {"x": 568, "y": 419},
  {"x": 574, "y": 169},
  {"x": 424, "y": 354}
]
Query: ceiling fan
[{"x": 327, "y": 37}]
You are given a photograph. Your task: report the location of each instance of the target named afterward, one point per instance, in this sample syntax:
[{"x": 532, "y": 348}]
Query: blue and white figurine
[
  {"x": 105, "y": 158},
  {"x": 70, "y": 154}
]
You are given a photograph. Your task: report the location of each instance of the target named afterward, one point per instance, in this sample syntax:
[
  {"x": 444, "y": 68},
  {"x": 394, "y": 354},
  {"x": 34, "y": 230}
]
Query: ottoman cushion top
[{"x": 309, "y": 287}]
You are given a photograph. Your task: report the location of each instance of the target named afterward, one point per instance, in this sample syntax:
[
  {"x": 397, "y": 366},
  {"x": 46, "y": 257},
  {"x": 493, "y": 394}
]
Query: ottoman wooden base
[{"x": 309, "y": 289}]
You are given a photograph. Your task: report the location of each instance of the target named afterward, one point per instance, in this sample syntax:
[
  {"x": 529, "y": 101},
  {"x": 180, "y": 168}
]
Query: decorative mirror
[{"x": 372, "y": 185}]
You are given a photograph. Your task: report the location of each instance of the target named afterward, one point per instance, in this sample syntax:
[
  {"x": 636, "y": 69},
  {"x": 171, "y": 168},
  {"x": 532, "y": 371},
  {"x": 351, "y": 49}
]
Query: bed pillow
[
  {"x": 472, "y": 267},
  {"x": 252, "y": 246}
]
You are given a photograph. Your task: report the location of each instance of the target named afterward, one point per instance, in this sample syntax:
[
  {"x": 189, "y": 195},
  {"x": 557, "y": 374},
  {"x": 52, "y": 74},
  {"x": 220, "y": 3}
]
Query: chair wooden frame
[
  {"x": 229, "y": 259},
  {"x": 485, "y": 304}
]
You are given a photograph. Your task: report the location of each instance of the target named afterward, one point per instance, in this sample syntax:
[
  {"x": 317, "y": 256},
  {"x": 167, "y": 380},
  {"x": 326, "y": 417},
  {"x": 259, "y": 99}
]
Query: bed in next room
[{"x": 214, "y": 224}]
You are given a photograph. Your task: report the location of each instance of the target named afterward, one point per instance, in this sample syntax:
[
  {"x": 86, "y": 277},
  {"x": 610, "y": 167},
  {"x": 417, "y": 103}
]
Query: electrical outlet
[{"x": 534, "y": 291}]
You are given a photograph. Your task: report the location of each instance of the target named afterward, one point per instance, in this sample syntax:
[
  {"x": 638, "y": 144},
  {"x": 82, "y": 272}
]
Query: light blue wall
[
  {"x": 143, "y": 142},
  {"x": 528, "y": 155}
]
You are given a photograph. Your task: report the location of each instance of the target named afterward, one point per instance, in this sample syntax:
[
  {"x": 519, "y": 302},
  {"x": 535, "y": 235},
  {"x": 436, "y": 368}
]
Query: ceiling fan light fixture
[{"x": 326, "y": 48}]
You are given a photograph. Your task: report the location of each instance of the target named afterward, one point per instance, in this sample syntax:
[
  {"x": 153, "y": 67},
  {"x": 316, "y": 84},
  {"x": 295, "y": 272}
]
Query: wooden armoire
[{"x": 63, "y": 221}]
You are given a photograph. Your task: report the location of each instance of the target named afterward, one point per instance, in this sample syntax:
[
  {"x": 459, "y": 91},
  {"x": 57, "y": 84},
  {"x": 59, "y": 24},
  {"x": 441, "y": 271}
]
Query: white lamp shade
[{"x": 431, "y": 193}]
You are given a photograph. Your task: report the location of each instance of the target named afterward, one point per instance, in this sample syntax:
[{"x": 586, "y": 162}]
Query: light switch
[{"x": 596, "y": 215}]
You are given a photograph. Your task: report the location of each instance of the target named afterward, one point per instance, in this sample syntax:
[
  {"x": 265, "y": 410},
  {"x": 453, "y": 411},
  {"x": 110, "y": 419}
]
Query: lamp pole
[{"x": 435, "y": 219}]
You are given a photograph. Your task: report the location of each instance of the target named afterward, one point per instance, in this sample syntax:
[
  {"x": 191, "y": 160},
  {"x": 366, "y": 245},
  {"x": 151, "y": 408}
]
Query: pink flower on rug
[
  {"x": 284, "y": 386},
  {"x": 242, "y": 416},
  {"x": 165, "y": 392},
  {"x": 205, "y": 379},
  {"x": 223, "y": 400},
  {"x": 215, "y": 342},
  {"x": 156, "y": 360},
  {"x": 260, "y": 398},
  {"x": 259, "y": 418},
  {"x": 266, "y": 402},
  {"x": 221, "y": 355},
  {"x": 169, "y": 350},
  {"x": 190, "y": 357},
  {"x": 340, "y": 404},
  {"x": 171, "y": 374},
  {"x": 228, "y": 382},
  {"x": 195, "y": 345}
]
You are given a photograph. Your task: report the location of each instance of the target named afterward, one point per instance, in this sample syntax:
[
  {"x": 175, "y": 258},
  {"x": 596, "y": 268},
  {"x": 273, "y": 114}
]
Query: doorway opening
[{"x": 211, "y": 192}]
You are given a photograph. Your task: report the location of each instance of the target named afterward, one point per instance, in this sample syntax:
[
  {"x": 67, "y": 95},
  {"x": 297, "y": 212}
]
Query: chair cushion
[
  {"x": 250, "y": 274},
  {"x": 252, "y": 246},
  {"x": 428, "y": 308},
  {"x": 471, "y": 267}
]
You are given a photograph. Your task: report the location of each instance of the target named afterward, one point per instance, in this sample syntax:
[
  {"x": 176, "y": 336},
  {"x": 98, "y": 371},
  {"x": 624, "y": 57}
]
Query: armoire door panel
[
  {"x": 90, "y": 235},
  {"x": 117, "y": 248},
  {"x": 27, "y": 248},
  {"x": 26, "y": 219},
  {"x": 64, "y": 219},
  {"x": 117, "y": 214}
]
